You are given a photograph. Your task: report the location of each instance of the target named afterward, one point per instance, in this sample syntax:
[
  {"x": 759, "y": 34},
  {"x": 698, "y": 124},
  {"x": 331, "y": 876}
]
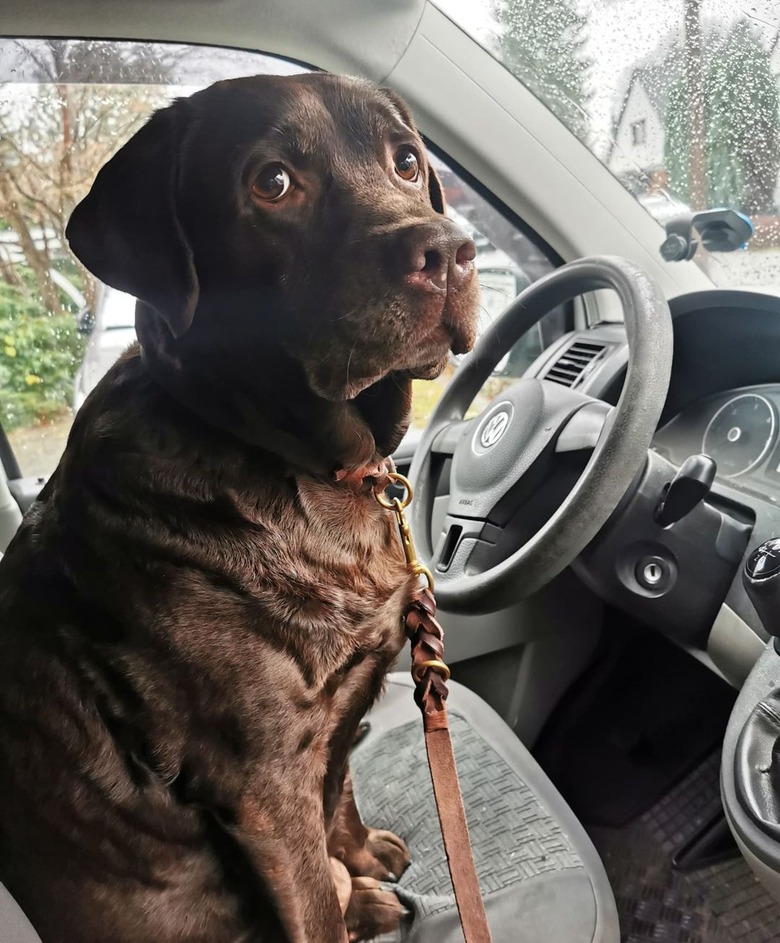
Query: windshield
[{"x": 680, "y": 99}]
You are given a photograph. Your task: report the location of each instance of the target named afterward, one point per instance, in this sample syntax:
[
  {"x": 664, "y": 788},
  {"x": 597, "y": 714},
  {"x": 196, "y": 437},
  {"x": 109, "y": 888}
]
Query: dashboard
[
  {"x": 723, "y": 400},
  {"x": 739, "y": 429}
]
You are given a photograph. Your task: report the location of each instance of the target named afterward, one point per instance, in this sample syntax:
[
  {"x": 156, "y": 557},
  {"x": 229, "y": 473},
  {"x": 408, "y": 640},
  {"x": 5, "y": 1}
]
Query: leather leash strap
[{"x": 430, "y": 675}]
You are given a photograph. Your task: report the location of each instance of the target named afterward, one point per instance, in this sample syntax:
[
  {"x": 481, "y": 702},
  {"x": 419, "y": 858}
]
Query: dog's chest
[
  {"x": 358, "y": 560},
  {"x": 326, "y": 565}
]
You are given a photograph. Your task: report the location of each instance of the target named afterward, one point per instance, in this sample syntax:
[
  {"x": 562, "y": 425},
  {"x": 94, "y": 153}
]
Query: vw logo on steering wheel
[{"x": 494, "y": 428}]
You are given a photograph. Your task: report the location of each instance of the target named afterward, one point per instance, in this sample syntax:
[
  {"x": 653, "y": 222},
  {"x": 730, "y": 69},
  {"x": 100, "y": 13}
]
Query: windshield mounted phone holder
[{"x": 720, "y": 230}]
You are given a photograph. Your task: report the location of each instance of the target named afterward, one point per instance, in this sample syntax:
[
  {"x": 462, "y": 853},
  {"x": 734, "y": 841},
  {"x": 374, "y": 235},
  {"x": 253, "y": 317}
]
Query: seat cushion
[
  {"x": 541, "y": 877},
  {"x": 14, "y": 926},
  {"x": 540, "y": 874}
]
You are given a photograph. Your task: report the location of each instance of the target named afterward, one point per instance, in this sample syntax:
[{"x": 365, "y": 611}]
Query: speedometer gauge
[{"x": 740, "y": 434}]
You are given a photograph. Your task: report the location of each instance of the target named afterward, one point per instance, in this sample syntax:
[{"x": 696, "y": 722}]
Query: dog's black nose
[{"x": 441, "y": 256}]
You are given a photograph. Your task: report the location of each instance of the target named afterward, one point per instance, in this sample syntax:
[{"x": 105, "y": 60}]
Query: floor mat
[
  {"x": 722, "y": 903},
  {"x": 643, "y": 716}
]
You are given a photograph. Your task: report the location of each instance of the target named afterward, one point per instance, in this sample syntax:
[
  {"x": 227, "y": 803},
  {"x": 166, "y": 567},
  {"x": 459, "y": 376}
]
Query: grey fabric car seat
[
  {"x": 14, "y": 926},
  {"x": 542, "y": 879}
]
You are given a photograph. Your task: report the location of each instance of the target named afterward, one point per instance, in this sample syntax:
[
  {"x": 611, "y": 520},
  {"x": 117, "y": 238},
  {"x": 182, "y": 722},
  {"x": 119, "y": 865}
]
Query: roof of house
[{"x": 656, "y": 76}]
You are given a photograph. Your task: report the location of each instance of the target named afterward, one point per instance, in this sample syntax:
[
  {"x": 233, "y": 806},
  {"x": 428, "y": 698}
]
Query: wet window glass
[
  {"x": 65, "y": 107},
  {"x": 680, "y": 99}
]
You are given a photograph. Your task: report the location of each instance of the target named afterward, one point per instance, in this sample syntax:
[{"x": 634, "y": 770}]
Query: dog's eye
[
  {"x": 271, "y": 183},
  {"x": 406, "y": 163}
]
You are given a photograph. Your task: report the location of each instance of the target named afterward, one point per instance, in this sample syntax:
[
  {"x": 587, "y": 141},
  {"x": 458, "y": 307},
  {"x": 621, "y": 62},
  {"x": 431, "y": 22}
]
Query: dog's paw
[
  {"x": 384, "y": 856},
  {"x": 390, "y": 851},
  {"x": 372, "y": 910}
]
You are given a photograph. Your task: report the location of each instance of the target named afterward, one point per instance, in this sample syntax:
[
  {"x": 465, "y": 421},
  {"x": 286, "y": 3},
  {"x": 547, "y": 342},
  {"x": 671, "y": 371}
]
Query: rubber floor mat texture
[{"x": 722, "y": 903}]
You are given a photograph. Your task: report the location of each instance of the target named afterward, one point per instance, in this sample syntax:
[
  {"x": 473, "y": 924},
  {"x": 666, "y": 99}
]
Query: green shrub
[{"x": 39, "y": 355}]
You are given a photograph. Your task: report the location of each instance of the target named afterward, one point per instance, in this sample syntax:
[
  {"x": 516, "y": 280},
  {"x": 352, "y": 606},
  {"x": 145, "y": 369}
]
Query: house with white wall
[
  {"x": 638, "y": 137},
  {"x": 636, "y": 154}
]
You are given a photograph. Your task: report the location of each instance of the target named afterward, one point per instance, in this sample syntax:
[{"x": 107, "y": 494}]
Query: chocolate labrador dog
[{"x": 203, "y": 602}]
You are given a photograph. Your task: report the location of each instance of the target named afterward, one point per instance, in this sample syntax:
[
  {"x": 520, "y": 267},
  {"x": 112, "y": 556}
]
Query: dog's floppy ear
[
  {"x": 435, "y": 190},
  {"x": 127, "y": 231}
]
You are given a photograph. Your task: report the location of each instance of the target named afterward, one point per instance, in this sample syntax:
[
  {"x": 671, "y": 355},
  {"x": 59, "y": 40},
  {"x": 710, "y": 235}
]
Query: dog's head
[{"x": 296, "y": 213}]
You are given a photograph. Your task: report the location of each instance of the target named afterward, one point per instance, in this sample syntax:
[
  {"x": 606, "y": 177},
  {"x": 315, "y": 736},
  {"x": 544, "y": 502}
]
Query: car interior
[{"x": 597, "y": 485}]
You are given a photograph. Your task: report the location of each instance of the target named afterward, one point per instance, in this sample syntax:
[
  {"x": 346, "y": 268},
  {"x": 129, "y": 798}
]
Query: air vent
[{"x": 573, "y": 365}]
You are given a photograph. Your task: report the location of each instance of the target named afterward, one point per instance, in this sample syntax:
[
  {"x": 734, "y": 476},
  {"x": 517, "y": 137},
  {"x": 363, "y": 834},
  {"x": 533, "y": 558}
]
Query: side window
[
  {"x": 65, "y": 107},
  {"x": 508, "y": 260}
]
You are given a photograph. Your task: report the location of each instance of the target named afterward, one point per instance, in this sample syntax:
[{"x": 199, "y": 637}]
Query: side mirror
[{"x": 85, "y": 321}]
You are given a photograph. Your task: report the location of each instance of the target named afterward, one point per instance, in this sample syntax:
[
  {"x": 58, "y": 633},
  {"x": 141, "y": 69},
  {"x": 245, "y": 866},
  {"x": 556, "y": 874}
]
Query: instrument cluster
[{"x": 738, "y": 429}]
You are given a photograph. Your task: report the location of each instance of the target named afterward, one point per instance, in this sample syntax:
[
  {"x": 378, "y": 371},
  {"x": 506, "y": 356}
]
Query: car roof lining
[{"x": 296, "y": 29}]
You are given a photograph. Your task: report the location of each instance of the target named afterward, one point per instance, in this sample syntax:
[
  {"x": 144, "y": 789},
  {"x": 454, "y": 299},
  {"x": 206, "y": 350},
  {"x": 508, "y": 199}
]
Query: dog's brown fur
[{"x": 196, "y": 614}]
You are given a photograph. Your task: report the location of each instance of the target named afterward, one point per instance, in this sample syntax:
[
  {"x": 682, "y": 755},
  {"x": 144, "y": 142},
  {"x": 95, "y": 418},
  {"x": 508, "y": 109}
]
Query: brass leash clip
[{"x": 397, "y": 506}]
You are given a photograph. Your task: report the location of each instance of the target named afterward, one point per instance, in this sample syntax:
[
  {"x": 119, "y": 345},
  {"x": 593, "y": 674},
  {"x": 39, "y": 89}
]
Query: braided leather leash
[{"x": 430, "y": 674}]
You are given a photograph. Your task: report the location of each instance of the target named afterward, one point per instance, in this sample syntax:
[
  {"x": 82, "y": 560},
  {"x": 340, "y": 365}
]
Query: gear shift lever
[
  {"x": 761, "y": 578},
  {"x": 757, "y": 752}
]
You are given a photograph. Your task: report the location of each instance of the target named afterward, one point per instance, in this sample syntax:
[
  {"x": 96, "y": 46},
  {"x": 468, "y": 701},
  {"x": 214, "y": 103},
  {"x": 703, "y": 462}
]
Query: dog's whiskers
[{"x": 349, "y": 360}]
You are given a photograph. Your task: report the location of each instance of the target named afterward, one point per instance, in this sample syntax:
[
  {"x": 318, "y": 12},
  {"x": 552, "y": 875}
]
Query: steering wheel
[{"x": 490, "y": 547}]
